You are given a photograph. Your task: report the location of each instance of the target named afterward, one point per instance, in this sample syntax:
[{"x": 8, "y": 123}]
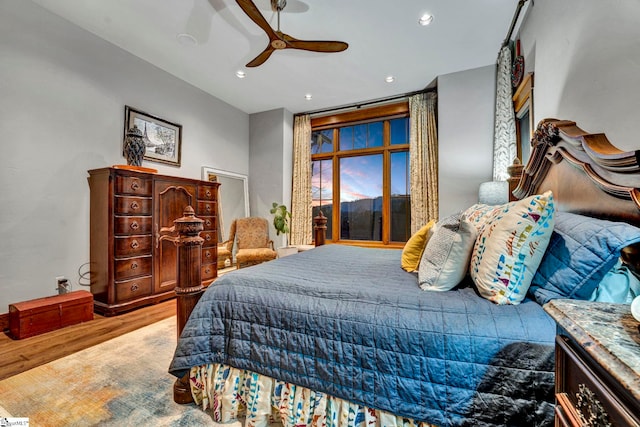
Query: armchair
[{"x": 252, "y": 238}]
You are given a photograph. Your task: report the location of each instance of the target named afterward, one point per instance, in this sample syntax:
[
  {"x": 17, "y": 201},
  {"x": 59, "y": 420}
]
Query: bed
[{"x": 342, "y": 336}]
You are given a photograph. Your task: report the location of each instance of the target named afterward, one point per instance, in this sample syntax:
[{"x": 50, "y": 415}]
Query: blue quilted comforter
[{"x": 350, "y": 322}]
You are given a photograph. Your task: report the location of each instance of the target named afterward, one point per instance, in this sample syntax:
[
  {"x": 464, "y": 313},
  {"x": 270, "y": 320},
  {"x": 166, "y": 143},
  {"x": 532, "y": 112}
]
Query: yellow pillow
[{"x": 412, "y": 252}]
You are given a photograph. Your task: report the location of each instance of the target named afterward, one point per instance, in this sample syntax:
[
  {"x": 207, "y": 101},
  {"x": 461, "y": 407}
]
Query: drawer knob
[
  {"x": 134, "y": 287},
  {"x": 207, "y": 270},
  {"x": 135, "y": 185},
  {"x": 134, "y": 265},
  {"x": 134, "y": 225},
  {"x": 208, "y": 223},
  {"x": 208, "y": 238},
  {"x": 208, "y": 193},
  {"x": 135, "y": 206},
  {"x": 208, "y": 208},
  {"x": 207, "y": 254},
  {"x": 134, "y": 244}
]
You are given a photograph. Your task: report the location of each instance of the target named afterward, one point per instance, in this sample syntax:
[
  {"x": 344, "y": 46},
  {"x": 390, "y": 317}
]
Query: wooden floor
[{"x": 21, "y": 355}]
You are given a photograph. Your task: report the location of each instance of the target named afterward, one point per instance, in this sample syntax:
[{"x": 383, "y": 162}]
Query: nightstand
[{"x": 597, "y": 364}]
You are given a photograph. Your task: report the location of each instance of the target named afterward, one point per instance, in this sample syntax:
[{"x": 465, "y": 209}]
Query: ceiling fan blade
[
  {"x": 254, "y": 14},
  {"x": 260, "y": 59},
  {"x": 314, "y": 45}
]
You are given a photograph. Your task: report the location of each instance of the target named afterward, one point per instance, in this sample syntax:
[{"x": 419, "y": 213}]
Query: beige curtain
[
  {"x": 301, "y": 210},
  {"x": 504, "y": 135},
  {"x": 423, "y": 155}
]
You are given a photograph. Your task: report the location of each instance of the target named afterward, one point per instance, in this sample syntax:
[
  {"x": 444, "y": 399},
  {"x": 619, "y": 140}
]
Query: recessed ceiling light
[
  {"x": 308, "y": 97},
  {"x": 425, "y": 19},
  {"x": 241, "y": 74},
  {"x": 390, "y": 79},
  {"x": 186, "y": 39}
]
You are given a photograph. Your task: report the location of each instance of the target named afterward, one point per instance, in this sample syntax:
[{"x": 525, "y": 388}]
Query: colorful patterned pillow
[
  {"x": 446, "y": 258},
  {"x": 510, "y": 246},
  {"x": 479, "y": 213},
  {"x": 412, "y": 251}
]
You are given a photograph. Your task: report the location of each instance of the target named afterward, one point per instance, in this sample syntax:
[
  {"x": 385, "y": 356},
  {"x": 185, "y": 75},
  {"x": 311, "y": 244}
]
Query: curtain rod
[
  {"x": 516, "y": 15},
  {"x": 365, "y": 103}
]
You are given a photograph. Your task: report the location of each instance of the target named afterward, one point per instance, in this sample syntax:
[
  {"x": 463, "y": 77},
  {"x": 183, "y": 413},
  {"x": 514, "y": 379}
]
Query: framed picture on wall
[{"x": 163, "y": 139}]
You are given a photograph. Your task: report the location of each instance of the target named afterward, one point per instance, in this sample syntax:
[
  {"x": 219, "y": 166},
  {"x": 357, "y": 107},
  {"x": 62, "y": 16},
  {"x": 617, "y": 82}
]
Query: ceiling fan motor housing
[{"x": 278, "y": 5}]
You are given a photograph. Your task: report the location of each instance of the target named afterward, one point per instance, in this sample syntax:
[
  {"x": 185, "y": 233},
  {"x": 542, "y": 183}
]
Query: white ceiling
[{"x": 383, "y": 35}]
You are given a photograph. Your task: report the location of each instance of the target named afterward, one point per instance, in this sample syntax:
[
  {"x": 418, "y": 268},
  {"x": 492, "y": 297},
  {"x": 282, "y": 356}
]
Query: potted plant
[{"x": 281, "y": 219}]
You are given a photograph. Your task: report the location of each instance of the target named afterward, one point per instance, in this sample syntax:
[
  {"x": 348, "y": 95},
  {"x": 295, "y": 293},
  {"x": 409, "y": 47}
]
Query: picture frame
[{"x": 163, "y": 139}]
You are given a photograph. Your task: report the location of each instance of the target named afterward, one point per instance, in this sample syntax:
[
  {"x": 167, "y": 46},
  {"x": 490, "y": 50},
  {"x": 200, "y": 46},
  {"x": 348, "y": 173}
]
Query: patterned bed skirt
[{"x": 232, "y": 394}]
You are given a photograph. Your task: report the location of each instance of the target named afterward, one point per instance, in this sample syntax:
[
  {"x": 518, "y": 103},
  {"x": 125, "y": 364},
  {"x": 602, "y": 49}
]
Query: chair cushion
[{"x": 255, "y": 255}]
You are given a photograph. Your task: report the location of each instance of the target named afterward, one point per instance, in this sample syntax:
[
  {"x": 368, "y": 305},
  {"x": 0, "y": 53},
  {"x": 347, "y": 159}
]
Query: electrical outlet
[{"x": 62, "y": 285}]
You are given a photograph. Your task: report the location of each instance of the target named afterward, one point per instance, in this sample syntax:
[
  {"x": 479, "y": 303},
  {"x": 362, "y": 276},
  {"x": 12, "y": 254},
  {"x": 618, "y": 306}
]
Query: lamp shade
[{"x": 493, "y": 193}]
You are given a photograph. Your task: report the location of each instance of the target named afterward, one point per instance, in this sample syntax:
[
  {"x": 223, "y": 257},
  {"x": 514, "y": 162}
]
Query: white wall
[
  {"x": 466, "y": 105},
  {"x": 586, "y": 58},
  {"x": 270, "y": 164},
  {"x": 62, "y": 98}
]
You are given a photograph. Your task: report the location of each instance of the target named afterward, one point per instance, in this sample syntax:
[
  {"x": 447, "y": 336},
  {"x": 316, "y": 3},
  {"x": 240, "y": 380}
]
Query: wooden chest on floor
[{"x": 29, "y": 318}]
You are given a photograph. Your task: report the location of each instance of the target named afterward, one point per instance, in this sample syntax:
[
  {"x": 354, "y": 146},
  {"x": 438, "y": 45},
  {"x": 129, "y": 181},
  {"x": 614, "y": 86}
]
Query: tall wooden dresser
[{"x": 130, "y": 265}]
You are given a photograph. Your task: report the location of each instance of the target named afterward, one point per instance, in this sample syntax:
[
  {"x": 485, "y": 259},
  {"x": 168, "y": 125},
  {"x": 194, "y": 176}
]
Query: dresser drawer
[
  {"x": 210, "y": 238},
  {"x": 132, "y": 267},
  {"x": 584, "y": 392},
  {"x": 133, "y": 185},
  {"x": 132, "y": 225},
  {"x": 209, "y": 222},
  {"x": 206, "y": 208},
  {"x": 209, "y": 255},
  {"x": 208, "y": 272},
  {"x": 207, "y": 192},
  {"x": 130, "y": 205},
  {"x": 132, "y": 246},
  {"x": 134, "y": 288}
]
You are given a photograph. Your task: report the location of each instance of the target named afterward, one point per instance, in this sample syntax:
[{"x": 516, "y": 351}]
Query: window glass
[
  {"x": 322, "y": 141},
  {"x": 374, "y": 138},
  {"x": 322, "y": 190},
  {"x": 346, "y": 138},
  {"x": 361, "y": 136},
  {"x": 361, "y": 197},
  {"x": 399, "y": 131},
  {"x": 400, "y": 197}
]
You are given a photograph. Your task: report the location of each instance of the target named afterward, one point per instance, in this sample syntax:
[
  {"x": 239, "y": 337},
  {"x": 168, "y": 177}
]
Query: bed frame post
[
  {"x": 186, "y": 235},
  {"x": 320, "y": 229}
]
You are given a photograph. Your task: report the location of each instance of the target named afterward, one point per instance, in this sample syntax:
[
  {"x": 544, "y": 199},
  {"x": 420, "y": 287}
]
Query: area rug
[{"x": 121, "y": 382}]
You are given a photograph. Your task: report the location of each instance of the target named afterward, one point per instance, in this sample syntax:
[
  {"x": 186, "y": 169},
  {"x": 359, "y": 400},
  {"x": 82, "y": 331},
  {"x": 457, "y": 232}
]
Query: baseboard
[{"x": 4, "y": 321}]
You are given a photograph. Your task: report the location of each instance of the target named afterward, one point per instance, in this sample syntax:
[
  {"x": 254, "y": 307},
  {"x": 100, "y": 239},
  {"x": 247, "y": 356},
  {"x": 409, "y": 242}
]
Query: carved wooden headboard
[{"x": 586, "y": 173}]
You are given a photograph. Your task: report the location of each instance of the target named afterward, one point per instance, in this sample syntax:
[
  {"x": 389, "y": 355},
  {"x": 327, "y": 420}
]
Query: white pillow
[
  {"x": 510, "y": 246},
  {"x": 445, "y": 259}
]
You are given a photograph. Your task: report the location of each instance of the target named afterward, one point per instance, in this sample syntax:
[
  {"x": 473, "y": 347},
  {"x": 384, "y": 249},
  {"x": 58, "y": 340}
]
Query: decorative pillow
[
  {"x": 581, "y": 251},
  {"x": 479, "y": 213},
  {"x": 619, "y": 285},
  {"x": 510, "y": 246},
  {"x": 446, "y": 257},
  {"x": 414, "y": 247}
]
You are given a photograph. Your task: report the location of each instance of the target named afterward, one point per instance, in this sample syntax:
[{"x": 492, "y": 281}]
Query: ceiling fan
[{"x": 279, "y": 40}]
